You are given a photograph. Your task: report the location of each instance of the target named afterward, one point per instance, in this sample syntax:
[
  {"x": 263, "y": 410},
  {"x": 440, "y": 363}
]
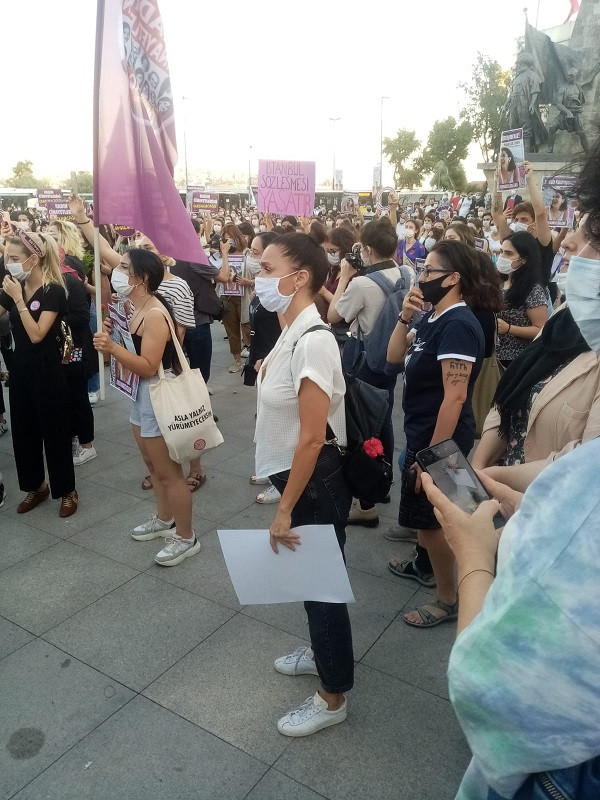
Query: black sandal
[{"x": 408, "y": 569}]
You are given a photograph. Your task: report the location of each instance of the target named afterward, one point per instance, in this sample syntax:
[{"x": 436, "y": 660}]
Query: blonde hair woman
[{"x": 33, "y": 294}]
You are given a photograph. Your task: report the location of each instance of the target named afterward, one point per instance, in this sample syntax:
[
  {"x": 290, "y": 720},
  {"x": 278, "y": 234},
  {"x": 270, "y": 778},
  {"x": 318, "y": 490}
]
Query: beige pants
[{"x": 236, "y": 331}]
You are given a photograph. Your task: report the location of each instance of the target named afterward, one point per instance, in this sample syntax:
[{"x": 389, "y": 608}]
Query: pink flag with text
[{"x": 135, "y": 148}]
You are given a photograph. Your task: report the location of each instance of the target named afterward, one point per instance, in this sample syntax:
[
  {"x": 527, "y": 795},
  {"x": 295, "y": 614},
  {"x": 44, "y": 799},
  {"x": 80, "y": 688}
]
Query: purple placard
[
  {"x": 59, "y": 209},
  {"x": 286, "y": 187},
  {"x": 558, "y": 193},
  {"x": 204, "y": 201},
  {"x": 45, "y": 196},
  {"x": 124, "y": 231},
  {"x": 480, "y": 244}
]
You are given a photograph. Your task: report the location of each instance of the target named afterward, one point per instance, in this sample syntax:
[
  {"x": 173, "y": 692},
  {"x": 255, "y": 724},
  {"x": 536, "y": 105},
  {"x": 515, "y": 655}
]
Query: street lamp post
[
  {"x": 249, "y": 178},
  {"x": 381, "y": 140},
  {"x": 334, "y": 120}
]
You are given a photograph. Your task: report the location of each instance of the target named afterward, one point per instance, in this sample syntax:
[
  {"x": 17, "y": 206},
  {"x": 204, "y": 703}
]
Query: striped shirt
[{"x": 178, "y": 294}]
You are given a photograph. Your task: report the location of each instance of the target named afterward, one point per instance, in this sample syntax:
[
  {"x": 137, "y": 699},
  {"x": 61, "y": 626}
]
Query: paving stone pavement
[{"x": 119, "y": 679}]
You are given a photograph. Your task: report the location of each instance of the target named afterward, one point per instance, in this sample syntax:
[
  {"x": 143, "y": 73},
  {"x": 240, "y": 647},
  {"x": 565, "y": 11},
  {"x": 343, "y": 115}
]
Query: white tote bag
[{"x": 183, "y": 411}]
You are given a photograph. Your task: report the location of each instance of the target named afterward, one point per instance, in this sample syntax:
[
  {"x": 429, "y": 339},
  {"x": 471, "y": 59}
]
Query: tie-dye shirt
[{"x": 524, "y": 676}]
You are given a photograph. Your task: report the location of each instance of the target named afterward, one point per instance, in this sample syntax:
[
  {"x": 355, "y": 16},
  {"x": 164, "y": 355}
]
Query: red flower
[{"x": 373, "y": 448}]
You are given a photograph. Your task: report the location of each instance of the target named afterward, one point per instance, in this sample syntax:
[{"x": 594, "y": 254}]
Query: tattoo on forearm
[
  {"x": 460, "y": 365},
  {"x": 497, "y": 202}
]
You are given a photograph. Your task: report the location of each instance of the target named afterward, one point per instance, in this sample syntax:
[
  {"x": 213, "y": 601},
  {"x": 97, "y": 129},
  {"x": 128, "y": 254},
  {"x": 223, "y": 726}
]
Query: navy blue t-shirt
[{"x": 457, "y": 335}]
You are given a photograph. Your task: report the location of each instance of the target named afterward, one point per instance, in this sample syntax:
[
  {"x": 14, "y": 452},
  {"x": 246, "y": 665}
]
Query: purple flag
[{"x": 135, "y": 148}]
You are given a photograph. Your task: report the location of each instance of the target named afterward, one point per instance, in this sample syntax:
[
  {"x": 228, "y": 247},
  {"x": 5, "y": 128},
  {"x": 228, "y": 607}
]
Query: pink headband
[{"x": 29, "y": 243}]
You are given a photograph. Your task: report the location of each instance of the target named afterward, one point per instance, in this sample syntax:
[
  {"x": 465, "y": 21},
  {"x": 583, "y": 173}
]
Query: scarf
[{"x": 560, "y": 343}]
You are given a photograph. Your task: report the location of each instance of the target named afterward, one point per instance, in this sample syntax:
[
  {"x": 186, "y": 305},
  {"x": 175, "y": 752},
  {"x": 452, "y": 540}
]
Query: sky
[{"x": 262, "y": 81}]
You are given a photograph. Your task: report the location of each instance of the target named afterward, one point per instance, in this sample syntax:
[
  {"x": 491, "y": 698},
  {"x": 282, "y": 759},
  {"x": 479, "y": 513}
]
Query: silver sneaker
[
  {"x": 398, "y": 533},
  {"x": 152, "y": 529},
  {"x": 176, "y": 550},
  {"x": 300, "y": 662},
  {"x": 311, "y": 716}
]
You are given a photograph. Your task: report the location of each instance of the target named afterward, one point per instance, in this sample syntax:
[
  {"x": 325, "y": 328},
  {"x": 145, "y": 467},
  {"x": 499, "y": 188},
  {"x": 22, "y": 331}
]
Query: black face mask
[{"x": 433, "y": 291}]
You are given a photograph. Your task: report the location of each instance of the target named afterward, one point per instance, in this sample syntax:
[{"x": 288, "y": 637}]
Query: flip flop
[
  {"x": 147, "y": 483},
  {"x": 197, "y": 481},
  {"x": 259, "y": 481}
]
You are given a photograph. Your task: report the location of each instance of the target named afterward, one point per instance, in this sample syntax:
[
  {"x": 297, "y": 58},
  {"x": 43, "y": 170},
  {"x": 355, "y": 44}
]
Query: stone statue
[
  {"x": 521, "y": 108},
  {"x": 570, "y": 102}
]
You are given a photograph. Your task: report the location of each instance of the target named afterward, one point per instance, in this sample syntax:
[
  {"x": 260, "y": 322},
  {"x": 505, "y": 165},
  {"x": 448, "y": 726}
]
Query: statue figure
[
  {"x": 570, "y": 102},
  {"x": 522, "y": 106}
]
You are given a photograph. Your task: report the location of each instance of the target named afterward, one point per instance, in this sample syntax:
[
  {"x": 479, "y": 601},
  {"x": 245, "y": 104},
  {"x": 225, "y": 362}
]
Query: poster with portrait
[
  {"x": 558, "y": 193},
  {"x": 511, "y": 172},
  {"x": 349, "y": 204},
  {"x": 236, "y": 265},
  {"x": 121, "y": 378}
]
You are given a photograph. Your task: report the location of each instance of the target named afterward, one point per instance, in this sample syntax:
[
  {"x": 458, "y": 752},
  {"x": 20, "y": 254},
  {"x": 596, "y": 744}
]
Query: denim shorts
[{"x": 141, "y": 412}]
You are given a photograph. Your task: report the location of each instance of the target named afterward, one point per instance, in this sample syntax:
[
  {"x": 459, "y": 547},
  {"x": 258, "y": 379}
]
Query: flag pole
[{"x": 96, "y": 111}]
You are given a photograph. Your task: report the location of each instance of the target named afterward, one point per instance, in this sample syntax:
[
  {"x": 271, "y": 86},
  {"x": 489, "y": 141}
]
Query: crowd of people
[{"x": 462, "y": 300}]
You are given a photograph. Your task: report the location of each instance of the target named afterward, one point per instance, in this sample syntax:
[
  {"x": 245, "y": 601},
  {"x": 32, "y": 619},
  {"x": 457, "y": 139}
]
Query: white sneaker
[
  {"x": 84, "y": 454},
  {"x": 245, "y": 352},
  {"x": 270, "y": 495},
  {"x": 152, "y": 529},
  {"x": 236, "y": 366},
  {"x": 94, "y": 397},
  {"x": 176, "y": 550},
  {"x": 300, "y": 662},
  {"x": 311, "y": 716},
  {"x": 75, "y": 446}
]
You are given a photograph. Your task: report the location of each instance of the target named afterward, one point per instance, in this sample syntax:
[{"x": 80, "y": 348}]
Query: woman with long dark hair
[
  {"x": 525, "y": 299},
  {"x": 153, "y": 343}
]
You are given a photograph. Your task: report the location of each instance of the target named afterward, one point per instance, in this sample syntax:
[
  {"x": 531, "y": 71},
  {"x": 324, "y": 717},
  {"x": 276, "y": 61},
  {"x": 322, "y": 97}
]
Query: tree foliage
[
  {"x": 486, "y": 95},
  {"x": 398, "y": 150},
  {"x": 23, "y": 177},
  {"x": 446, "y": 148},
  {"x": 85, "y": 182}
]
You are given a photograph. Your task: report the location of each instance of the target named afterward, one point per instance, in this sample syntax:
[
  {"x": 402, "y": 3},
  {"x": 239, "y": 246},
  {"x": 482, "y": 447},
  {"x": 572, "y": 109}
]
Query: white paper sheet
[{"x": 315, "y": 571}]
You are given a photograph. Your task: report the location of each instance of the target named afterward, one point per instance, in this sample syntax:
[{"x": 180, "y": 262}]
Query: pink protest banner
[
  {"x": 45, "y": 196},
  {"x": 135, "y": 148},
  {"x": 286, "y": 187}
]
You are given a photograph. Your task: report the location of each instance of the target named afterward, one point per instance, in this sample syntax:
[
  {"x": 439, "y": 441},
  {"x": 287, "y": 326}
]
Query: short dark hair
[
  {"x": 318, "y": 232},
  {"x": 305, "y": 253},
  {"x": 523, "y": 208},
  {"x": 523, "y": 280},
  {"x": 381, "y": 236},
  {"x": 462, "y": 229},
  {"x": 289, "y": 218},
  {"x": 267, "y": 238},
  {"x": 459, "y": 257}
]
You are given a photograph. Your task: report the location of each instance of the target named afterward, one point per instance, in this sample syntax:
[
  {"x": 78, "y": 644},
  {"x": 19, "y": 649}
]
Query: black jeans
[
  {"x": 198, "y": 344},
  {"x": 326, "y": 500}
]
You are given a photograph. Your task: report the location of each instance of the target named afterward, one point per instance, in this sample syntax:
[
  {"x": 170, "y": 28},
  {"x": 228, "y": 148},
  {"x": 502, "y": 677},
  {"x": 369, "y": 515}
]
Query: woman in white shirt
[{"x": 300, "y": 406}]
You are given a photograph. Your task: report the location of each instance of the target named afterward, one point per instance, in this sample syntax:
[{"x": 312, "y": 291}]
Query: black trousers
[
  {"x": 326, "y": 500},
  {"x": 81, "y": 414},
  {"x": 39, "y": 413}
]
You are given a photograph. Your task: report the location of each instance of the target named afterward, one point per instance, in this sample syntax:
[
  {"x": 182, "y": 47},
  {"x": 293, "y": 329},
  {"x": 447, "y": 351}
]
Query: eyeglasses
[{"x": 426, "y": 272}]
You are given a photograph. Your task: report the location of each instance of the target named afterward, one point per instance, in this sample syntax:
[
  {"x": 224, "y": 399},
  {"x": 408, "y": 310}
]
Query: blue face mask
[{"x": 583, "y": 293}]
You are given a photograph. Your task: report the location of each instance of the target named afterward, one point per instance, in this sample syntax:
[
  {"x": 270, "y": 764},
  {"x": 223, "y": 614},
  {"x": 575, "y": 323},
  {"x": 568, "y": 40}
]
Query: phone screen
[{"x": 453, "y": 475}]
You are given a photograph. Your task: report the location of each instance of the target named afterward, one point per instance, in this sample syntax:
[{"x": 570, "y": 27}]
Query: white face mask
[
  {"x": 217, "y": 228},
  {"x": 582, "y": 290},
  {"x": 16, "y": 270},
  {"x": 429, "y": 242},
  {"x": 408, "y": 233},
  {"x": 271, "y": 299},
  {"x": 333, "y": 258},
  {"x": 504, "y": 265},
  {"x": 329, "y": 223},
  {"x": 252, "y": 262},
  {"x": 120, "y": 283},
  {"x": 263, "y": 228},
  {"x": 518, "y": 226},
  {"x": 25, "y": 226},
  {"x": 561, "y": 282}
]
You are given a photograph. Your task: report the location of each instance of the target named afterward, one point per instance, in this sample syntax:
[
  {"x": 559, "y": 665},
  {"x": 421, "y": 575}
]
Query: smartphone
[
  {"x": 454, "y": 476},
  {"x": 6, "y": 217}
]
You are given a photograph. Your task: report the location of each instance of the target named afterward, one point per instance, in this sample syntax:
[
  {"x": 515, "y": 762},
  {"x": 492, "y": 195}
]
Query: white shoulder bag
[{"x": 182, "y": 409}]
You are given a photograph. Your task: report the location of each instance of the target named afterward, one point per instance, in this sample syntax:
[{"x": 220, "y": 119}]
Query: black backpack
[{"x": 369, "y": 478}]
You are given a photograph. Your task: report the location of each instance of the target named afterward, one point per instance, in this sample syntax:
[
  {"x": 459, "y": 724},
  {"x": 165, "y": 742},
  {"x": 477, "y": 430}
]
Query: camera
[{"x": 355, "y": 259}]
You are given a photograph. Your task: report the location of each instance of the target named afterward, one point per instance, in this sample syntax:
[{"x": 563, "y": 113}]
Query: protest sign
[
  {"x": 286, "y": 187},
  {"x": 46, "y": 196},
  {"x": 419, "y": 267},
  {"x": 349, "y": 204},
  {"x": 558, "y": 194},
  {"x": 204, "y": 201},
  {"x": 511, "y": 172},
  {"x": 121, "y": 378},
  {"x": 480, "y": 244},
  {"x": 383, "y": 201},
  {"x": 59, "y": 209},
  {"x": 124, "y": 230},
  {"x": 233, "y": 288}
]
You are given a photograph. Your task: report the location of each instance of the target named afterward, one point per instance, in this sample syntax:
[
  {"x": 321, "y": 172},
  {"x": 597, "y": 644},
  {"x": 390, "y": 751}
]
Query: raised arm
[
  {"x": 542, "y": 229},
  {"x": 87, "y": 229}
]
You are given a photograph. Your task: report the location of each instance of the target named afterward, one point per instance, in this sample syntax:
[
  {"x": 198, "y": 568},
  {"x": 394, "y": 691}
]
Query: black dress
[{"x": 39, "y": 397}]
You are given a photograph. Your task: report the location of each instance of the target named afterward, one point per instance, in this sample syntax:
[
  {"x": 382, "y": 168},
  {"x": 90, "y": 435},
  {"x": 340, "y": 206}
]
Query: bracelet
[
  {"x": 471, "y": 573},
  {"x": 21, "y": 310},
  {"x": 509, "y": 327},
  {"x": 83, "y": 223},
  {"x": 404, "y": 322}
]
